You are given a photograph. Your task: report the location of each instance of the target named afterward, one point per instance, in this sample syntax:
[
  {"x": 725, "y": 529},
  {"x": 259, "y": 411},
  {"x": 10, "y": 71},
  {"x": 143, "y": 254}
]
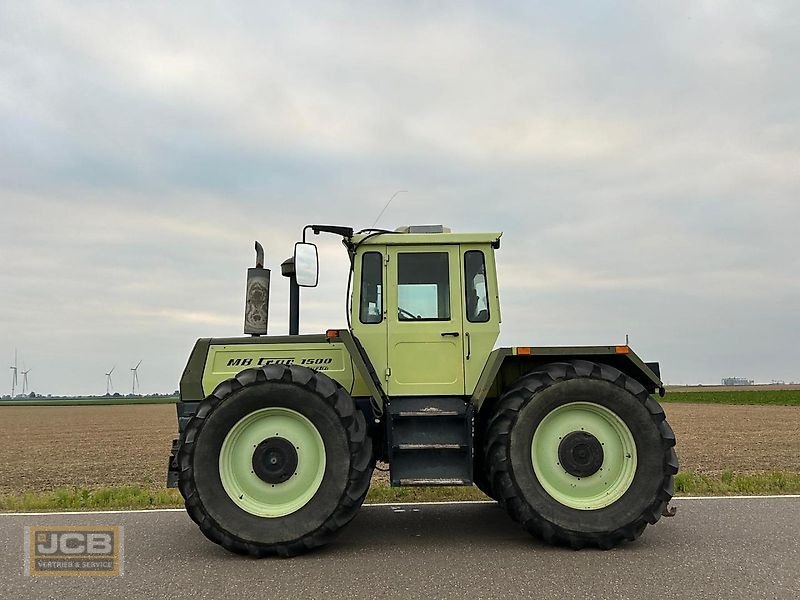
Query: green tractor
[{"x": 278, "y": 435}]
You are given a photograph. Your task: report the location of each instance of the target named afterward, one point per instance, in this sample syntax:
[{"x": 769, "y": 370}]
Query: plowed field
[{"x": 47, "y": 447}]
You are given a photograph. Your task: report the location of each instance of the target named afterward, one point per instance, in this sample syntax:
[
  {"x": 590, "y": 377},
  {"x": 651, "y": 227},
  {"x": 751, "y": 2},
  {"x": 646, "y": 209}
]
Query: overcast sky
[{"x": 642, "y": 160}]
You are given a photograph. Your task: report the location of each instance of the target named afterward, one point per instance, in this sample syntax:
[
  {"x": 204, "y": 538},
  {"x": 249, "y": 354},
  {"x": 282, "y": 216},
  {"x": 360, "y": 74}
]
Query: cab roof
[{"x": 423, "y": 235}]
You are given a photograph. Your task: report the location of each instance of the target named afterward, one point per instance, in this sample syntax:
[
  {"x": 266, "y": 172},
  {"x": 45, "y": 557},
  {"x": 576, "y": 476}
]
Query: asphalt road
[{"x": 713, "y": 548}]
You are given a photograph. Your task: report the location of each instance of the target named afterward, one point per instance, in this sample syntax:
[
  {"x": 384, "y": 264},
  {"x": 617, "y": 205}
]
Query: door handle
[
  {"x": 469, "y": 345},
  {"x": 450, "y": 333}
]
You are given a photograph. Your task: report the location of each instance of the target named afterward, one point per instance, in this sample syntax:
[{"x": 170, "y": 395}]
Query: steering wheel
[{"x": 403, "y": 312}]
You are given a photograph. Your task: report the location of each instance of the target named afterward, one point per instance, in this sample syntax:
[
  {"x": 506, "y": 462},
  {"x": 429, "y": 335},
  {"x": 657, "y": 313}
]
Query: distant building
[{"x": 737, "y": 381}]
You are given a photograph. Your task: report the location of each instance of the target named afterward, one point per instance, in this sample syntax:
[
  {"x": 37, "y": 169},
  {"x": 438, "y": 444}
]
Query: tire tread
[
  {"x": 498, "y": 464},
  {"x": 361, "y": 459}
]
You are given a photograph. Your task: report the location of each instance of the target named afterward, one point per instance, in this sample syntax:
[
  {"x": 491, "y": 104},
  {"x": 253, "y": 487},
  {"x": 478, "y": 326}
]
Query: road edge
[{"x": 375, "y": 505}]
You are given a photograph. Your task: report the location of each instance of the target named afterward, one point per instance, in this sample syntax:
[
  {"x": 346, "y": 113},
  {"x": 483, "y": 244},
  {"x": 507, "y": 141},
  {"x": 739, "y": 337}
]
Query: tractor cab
[{"x": 425, "y": 307}]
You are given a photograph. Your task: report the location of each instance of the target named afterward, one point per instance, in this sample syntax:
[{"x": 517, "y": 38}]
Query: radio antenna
[{"x": 380, "y": 214}]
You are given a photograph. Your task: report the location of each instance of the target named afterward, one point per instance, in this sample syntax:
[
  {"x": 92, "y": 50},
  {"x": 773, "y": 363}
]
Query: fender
[{"x": 506, "y": 365}]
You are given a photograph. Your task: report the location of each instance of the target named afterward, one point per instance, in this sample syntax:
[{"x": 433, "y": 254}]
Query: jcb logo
[
  {"x": 74, "y": 542},
  {"x": 73, "y": 551}
]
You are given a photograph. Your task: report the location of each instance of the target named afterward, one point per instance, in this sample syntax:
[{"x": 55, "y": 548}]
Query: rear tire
[
  {"x": 480, "y": 471},
  {"x": 581, "y": 455},
  {"x": 293, "y": 490}
]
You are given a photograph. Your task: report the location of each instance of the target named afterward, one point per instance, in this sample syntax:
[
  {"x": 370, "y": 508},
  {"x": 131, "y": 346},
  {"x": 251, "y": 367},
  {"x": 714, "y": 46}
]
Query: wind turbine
[
  {"x": 109, "y": 383},
  {"x": 135, "y": 379},
  {"x": 25, "y": 381},
  {"x": 14, "y": 377}
]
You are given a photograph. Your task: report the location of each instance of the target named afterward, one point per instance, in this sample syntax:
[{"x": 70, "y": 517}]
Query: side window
[
  {"x": 475, "y": 291},
  {"x": 371, "y": 307},
  {"x": 423, "y": 286}
]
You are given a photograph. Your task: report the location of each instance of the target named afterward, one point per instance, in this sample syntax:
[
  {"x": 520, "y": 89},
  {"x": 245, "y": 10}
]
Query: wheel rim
[
  {"x": 614, "y": 475},
  {"x": 238, "y": 473}
]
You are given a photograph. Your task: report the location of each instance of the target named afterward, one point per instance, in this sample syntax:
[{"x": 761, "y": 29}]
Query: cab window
[
  {"x": 423, "y": 286},
  {"x": 475, "y": 291},
  {"x": 371, "y": 305}
]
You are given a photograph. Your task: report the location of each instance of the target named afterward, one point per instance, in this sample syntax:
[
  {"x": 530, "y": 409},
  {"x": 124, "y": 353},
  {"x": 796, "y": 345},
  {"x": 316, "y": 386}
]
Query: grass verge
[
  {"x": 729, "y": 483},
  {"x": 107, "y": 498},
  {"x": 136, "y": 497},
  {"x": 755, "y": 397}
]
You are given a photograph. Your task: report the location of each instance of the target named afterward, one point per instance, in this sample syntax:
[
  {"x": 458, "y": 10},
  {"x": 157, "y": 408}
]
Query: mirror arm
[{"x": 345, "y": 232}]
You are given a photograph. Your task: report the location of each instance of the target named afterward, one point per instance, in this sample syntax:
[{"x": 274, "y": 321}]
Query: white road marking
[
  {"x": 93, "y": 512},
  {"x": 457, "y": 502},
  {"x": 735, "y": 497},
  {"x": 397, "y": 506}
]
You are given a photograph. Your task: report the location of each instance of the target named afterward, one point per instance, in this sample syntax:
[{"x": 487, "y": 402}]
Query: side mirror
[{"x": 306, "y": 264}]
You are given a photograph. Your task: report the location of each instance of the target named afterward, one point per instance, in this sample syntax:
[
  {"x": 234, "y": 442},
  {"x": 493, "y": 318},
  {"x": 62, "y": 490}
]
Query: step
[
  {"x": 427, "y": 406},
  {"x": 430, "y": 440},
  {"x": 423, "y": 431},
  {"x": 435, "y": 482},
  {"x": 428, "y": 413},
  {"x": 429, "y": 446},
  {"x": 431, "y": 465}
]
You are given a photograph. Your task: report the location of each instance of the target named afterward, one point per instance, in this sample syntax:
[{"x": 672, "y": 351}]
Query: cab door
[{"x": 425, "y": 328}]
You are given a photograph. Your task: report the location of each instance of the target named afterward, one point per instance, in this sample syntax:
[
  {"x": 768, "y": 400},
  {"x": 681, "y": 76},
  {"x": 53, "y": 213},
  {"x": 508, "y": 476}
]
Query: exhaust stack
[{"x": 256, "y": 308}]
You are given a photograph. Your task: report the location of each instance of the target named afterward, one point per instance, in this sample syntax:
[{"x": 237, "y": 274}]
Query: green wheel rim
[
  {"x": 245, "y": 488},
  {"x": 617, "y": 471}
]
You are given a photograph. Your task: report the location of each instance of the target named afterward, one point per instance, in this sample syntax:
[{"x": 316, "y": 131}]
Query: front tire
[
  {"x": 275, "y": 461},
  {"x": 581, "y": 455}
]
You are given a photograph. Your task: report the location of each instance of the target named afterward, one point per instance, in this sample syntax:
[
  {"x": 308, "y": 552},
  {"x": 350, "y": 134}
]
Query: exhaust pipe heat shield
[{"x": 256, "y": 308}]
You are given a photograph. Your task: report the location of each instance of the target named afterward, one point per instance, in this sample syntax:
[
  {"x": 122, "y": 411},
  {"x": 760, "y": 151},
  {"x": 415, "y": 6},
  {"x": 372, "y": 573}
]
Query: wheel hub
[
  {"x": 578, "y": 469},
  {"x": 275, "y": 460},
  {"x": 580, "y": 454}
]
